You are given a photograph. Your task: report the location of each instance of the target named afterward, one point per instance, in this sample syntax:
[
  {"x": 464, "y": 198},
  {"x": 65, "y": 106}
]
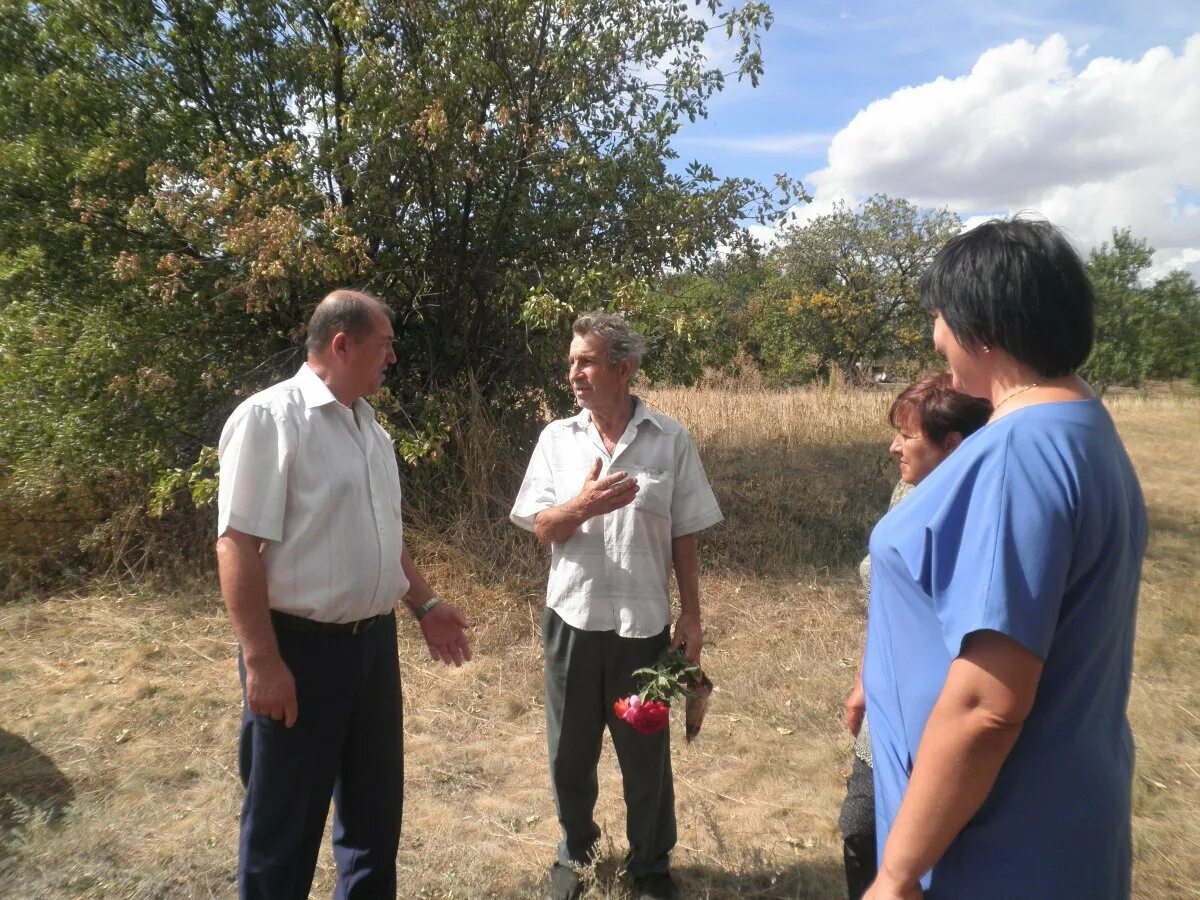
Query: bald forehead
[
  {"x": 356, "y": 313},
  {"x": 346, "y": 297}
]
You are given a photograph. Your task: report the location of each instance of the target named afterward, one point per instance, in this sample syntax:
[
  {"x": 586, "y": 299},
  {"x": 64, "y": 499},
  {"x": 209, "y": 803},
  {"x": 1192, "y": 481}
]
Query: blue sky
[{"x": 985, "y": 107}]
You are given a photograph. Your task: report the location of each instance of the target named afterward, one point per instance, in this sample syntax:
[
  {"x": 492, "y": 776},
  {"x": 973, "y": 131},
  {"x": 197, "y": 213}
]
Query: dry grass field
[{"x": 119, "y": 709}]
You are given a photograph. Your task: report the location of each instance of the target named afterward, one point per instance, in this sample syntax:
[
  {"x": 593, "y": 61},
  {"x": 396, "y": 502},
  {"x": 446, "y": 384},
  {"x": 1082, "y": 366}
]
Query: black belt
[{"x": 288, "y": 622}]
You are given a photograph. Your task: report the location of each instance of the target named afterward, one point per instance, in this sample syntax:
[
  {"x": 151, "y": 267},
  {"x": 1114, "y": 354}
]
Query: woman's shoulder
[
  {"x": 1055, "y": 415},
  {"x": 1017, "y": 448},
  {"x": 1077, "y": 424},
  {"x": 1066, "y": 432},
  {"x": 1040, "y": 457}
]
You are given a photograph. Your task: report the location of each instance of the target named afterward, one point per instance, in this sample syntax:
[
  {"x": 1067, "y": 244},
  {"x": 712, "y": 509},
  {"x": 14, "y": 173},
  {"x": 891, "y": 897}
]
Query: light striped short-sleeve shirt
[
  {"x": 318, "y": 482},
  {"x": 614, "y": 573}
]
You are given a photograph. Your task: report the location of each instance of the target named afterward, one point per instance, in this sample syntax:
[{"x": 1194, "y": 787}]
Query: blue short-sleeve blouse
[{"x": 1035, "y": 528}]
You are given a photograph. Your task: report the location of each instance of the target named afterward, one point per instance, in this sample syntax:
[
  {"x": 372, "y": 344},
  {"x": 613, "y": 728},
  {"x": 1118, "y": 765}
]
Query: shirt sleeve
[
  {"x": 693, "y": 504},
  {"x": 998, "y": 553},
  {"x": 537, "y": 489},
  {"x": 254, "y": 454}
]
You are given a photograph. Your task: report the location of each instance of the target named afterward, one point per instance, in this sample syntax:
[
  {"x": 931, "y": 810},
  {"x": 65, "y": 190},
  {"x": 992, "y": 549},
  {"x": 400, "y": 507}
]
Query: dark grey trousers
[
  {"x": 586, "y": 671},
  {"x": 857, "y": 823}
]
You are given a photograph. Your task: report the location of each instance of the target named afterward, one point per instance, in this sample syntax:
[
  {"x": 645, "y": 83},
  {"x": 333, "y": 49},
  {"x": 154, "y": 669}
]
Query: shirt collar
[
  {"x": 641, "y": 413},
  {"x": 317, "y": 393},
  {"x": 314, "y": 390}
]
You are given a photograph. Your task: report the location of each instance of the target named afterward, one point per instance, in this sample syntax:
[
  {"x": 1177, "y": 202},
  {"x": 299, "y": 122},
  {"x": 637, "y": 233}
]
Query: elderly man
[
  {"x": 619, "y": 493},
  {"x": 312, "y": 561}
]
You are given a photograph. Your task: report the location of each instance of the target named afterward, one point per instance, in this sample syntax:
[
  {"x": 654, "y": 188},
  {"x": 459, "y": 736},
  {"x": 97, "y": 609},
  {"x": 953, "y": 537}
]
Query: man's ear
[
  {"x": 627, "y": 369},
  {"x": 953, "y": 439},
  {"x": 340, "y": 343}
]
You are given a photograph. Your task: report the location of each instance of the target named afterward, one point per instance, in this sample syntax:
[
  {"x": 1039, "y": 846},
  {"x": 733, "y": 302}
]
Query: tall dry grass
[
  {"x": 119, "y": 711},
  {"x": 801, "y": 475}
]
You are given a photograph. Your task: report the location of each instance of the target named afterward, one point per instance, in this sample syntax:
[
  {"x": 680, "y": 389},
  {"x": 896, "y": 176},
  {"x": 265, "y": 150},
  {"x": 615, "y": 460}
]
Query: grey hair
[
  {"x": 343, "y": 311},
  {"x": 623, "y": 342}
]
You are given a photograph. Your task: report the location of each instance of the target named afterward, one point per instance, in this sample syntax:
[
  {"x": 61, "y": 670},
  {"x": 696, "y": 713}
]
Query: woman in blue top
[
  {"x": 1004, "y": 589},
  {"x": 931, "y": 419}
]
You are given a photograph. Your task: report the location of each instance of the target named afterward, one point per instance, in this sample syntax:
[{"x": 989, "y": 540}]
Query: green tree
[
  {"x": 1143, "y": 330},
  {"x": 706, "y": 311},
  {"x": 843, "y": 289},
  {"x": 181, "y": 180},
  {"x": 1173, "y": 340}
]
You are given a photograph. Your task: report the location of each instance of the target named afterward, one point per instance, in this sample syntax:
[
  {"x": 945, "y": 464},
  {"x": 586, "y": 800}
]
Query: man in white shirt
[
  {"x": 620, "y": 494},
  {"x": 312, "y": 561}
]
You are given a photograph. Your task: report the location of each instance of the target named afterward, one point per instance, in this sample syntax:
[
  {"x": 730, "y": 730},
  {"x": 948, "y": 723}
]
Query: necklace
[{"x": 1019, "y": 390}]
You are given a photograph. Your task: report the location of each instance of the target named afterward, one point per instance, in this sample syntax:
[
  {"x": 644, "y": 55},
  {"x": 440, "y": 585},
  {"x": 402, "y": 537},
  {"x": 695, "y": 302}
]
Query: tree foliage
[
  {"x": 707, "y": 307},
  {"x": 842, "y": 292},
  {"x": 1143, "y": 330},
  {"x": 181, "y": 180}
]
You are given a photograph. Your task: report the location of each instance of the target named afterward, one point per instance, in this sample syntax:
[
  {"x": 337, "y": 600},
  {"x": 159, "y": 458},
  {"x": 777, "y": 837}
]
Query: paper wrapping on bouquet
[{"x": 697, "y": 705}]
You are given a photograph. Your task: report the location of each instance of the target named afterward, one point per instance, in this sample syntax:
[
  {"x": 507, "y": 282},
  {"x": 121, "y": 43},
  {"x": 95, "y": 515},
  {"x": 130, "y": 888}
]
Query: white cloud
[
  {"x": 1187, "y": 258},
  {"x": 1115, "y": 143}
]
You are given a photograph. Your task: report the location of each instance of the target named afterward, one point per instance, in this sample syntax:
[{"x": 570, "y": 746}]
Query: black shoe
[
  {"x": 658, "y": 886},
  {"x": 564, "y": 884}
]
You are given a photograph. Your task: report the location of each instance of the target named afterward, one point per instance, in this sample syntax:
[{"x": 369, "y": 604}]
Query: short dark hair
[
  {"x": 938, "y": 409},
  {"x": 1019, "y": 285},
  {"x": 343, "y": 311}
]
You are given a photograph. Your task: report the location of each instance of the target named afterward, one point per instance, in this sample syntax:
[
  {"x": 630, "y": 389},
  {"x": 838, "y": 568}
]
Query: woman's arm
[
  {"x": 856, "y": 704},
  {"x": 987, "y": 696}
]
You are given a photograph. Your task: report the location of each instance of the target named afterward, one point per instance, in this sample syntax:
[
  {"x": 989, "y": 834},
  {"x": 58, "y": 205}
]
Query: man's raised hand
[{"x": 602, "y": 495}]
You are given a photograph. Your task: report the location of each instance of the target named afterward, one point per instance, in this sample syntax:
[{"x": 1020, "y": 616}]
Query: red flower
[{"x": 646, "y": 716}]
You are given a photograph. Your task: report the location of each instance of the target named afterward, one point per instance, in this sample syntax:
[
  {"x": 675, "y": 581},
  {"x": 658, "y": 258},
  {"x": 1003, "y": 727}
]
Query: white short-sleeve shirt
[
  {"x": 614, "y": 573},
  {"x": 323, "y": 491}
]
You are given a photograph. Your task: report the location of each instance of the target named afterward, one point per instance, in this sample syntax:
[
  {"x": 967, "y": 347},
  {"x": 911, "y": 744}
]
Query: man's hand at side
[
  {"x": 271, "y": 690},
  {"x": 270, "y": 687},
  {"x": 689, "y": 635},
  {"x": 685, "y": 557}
]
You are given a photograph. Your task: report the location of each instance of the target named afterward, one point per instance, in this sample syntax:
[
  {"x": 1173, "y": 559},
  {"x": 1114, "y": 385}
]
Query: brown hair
[{"x": 938, "y": 409}]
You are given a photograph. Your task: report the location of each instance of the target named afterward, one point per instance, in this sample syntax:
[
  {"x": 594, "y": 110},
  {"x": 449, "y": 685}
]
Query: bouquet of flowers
[{"x": 649, "y": 710}]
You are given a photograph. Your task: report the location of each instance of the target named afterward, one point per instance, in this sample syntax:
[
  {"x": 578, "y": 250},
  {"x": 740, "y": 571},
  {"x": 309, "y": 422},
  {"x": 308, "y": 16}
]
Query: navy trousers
[{"x": 348, "y": 744}]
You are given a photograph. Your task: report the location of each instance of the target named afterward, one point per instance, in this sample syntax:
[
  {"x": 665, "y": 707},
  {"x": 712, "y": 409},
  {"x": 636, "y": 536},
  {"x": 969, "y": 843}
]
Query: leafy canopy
[
  {"x": 1143, "y": 329},
  {"x": 842, "y": 292},
  {"x": 182, "y": 180}
]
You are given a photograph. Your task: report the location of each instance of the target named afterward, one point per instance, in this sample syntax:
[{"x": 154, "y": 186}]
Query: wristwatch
[{"x": 420, "y": 611}]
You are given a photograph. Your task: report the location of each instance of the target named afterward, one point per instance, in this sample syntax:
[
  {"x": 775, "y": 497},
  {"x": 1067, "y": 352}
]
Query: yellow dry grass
[{"x": 119, "y": 711}]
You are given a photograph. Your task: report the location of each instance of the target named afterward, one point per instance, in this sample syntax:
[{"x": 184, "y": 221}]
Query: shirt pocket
[{"x": 656, "y": 487}]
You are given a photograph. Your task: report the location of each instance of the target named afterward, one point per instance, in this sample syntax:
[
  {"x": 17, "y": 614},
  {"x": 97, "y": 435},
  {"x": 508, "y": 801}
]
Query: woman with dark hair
[
  {"x": 1000, "y": 638},
  {"x": 931, "y": 419}
]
